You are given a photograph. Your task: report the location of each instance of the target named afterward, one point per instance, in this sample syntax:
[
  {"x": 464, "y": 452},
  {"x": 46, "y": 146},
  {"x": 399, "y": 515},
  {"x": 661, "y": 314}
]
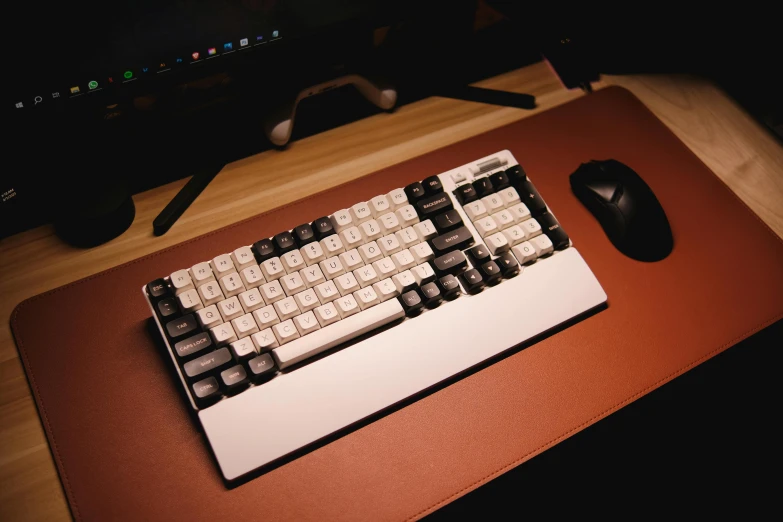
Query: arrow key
[
  {"x": 472, "y": 281},
  {"x": 508, "y": 264}
]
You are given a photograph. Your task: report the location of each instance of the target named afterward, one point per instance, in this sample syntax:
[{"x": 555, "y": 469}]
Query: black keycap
[
  {"x": 235, "y": 378},
  {"x": 432, "y": 185},
  {"x": 466, "y": 193},
  {"x": 490, "y": 272},
  {"x": 551, "y": 228},
  {"x": 414, "y": 191},
  {"x": 457, "y": 239},
  {"x": 323, "y": 227},
  {"x": 182, "y": 326},
  {"x": 411, "y": 302},
  {"x": 483, "y": 187},
  {"x": 499, "y": 180},
  {"x": 207, "y": 363},
  {"x": 264, "y": 249},
  {"x": 429, "y": 206},
  {"x": 167, "y": 308},
  {"x": 451, "y": 263},
  {"x": 158, "y": 289},
  {"x": 449, "y": 286},
  {"x": 478, "y": 255},
  {"x": 530, "y": 197},
  {"x": 206, "y": 391},
  {"x": 516, "y": 175},
  {"x": 285, "y": 242},
  {"x": 304, "y": 234},
  {"x": 472, "y": 281},
  {"x": 449, "y": 220},
  {"x": 508, "y": 264},
  {"x": 431, "y": 294},
  {"x": 261, "y": 367},
  {"x": 193, "y": 345}
]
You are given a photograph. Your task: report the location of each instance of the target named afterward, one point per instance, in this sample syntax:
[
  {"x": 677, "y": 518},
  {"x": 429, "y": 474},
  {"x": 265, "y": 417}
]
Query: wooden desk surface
[{"x": 730, "y": 142}]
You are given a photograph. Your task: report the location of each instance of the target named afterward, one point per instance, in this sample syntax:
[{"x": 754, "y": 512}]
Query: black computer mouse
[{"x": 626, "y": 208}]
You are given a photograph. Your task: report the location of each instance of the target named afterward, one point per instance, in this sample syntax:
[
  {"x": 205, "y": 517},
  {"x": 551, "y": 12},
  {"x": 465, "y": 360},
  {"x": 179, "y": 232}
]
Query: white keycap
[
  {"x": 243, "y": 257},
  {"x": 475, "y": 210},
  {"x": 272, "y": 291},
  {"x": 230, "y": 309},
  {"x": 351, "y": 260},
  {"x": 520, "y": 212},
  {"x": 312, "y": 275},
  {"x": 403, "y": 280},
  {"x": 292, "y": 283},
  {"x": 346, "y": 283},
  {"x": 403, "y": 260},
  {"x": 332, "y": 245},
  {"x": 422, "y": 252},
  {"x": 389, "y": 223},
  {"x": 327, "y": 292},
  {"x": 264, "y": 340},
  {"x": 189, "y": 301},
  {"x": 365, "y": 275},
  {"x": 423, "y": 273},
  {"x": 425, "y": 230},
  {"x": 266, "y": 316},
  {"x": 211, "y": 293},
  {"x": 370, "y": 252},
  {"x": 514, "y": 235},
  {"x": 251, "y": 300},
  {"x": 251, "y": 276},
  {"x": 385, "y": 289},
  {"x": 306, "y": 300},
  {"x": 346, "y": 306},
  {"x": 366, "y": 297},
  {"x": 486, "y": 226},
  {"x": 351, "y": 237},
  {"x": 306, "y": 323},
  {"x": 327, "y": 314},
  {"x": 397, "y": 198},
  {"x": 497, "y": 243},
  {"x": 244, "y": 325},
  {"x": 385, "y": 267},
  {"x": 361, "y": 212},
  {"x": 209, "y": 316},
  {"x": 510, "y": 196},
  {"x": 531, "y": 228},
  {"x": 293, "y": 261},
  {"x": 181, "y": 281},
  {"x": 223, "y": 334},
  {"x": 341, "y": 220},
  {"x": 493, "y": 203},
  {"x": 332, "y": 267},
  {"x": 286, "y": 308},
  {"x": 542, "y": 244},
  {"x": 389, "y": 244},
  {"x": 243, "y": 348},
  {"x": 201, "y": 273},
  {"x": 313, "y": 253},
  {"x": 407, "y": 237},
  {"x": 407, "y": 216},
  {"x": 379, "y": 205},
  {"x": 285, "y": 331},
  {"x": 371, "y": 230},
  {"x": 222, "y": 264},
  {"x": 231, "y": 284},
  {"x": 524, "y": 252},
  {"x": 458, "y": 177},
  {"x": 272, "y": 268},
  {"x": 504, "y": 219}
]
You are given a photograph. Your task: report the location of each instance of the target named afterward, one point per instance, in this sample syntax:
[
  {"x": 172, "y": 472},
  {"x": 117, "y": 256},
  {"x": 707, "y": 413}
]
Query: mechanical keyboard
[{"x": 285, "y": 342}]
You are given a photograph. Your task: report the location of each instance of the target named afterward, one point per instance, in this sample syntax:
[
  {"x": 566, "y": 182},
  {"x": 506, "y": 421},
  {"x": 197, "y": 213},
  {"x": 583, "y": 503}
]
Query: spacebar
[{"x": 337, "y": 333}]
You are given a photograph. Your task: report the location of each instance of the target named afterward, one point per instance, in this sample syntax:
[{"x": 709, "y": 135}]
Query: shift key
[
  {"x": 207, "y": 363},
  {"x": 458, "y": 239}
]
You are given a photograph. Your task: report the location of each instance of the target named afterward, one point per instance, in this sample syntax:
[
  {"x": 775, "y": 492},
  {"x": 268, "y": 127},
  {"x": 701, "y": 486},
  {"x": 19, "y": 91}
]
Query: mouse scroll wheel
[{"x": 605, "y": 190}]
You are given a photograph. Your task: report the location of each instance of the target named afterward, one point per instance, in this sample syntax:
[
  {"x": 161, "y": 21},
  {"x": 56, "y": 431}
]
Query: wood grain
[{"x": 735, "y": 147}]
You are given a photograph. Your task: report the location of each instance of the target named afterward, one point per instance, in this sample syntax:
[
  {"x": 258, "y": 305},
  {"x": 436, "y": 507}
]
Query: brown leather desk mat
[{"x": 125, "y": 446}]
